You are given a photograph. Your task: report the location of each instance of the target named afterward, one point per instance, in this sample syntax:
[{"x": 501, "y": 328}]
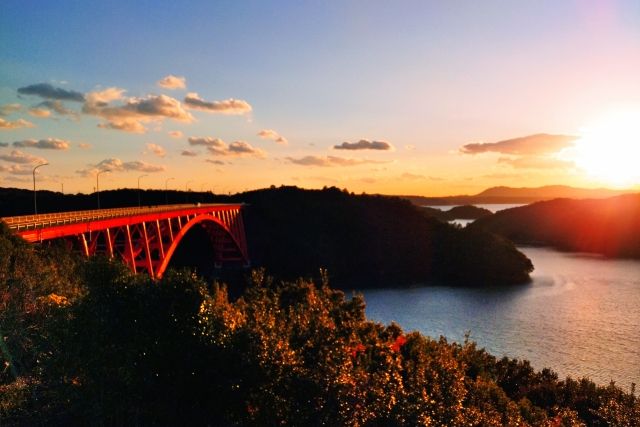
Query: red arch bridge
[{"x": 145, "y": 238}]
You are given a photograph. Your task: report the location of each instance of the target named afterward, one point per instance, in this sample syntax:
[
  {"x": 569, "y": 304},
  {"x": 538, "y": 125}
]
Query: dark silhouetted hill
[
  {"x": 361, "y": 240},
  {"x": 458, "y": 212},
  {"x": 606, "y": 226},
  {"x": 518, "y": 195},
  {"x": 368, "y": 240}
]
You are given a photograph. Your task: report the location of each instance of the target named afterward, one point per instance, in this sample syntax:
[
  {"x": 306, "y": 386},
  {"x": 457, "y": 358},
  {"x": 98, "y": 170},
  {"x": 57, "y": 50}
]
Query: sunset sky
[{"x": 406, "y": 97}]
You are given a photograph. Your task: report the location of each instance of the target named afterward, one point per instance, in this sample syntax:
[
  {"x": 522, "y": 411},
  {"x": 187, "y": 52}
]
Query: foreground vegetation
[{"x": 87, "y": 342}]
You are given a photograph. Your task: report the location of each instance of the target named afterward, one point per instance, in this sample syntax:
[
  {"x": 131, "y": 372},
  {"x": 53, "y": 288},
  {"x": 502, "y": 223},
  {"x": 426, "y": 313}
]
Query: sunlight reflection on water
[{"x": 580, "y": 315}]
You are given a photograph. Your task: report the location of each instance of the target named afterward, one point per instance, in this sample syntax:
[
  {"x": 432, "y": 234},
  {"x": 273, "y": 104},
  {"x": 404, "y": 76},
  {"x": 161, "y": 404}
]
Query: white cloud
[
  {"x": 131, "y": 115},
  {"x": 176, "y": 134}
]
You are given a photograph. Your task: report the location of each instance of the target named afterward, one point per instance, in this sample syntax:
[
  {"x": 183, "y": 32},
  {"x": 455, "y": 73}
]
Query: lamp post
[
  {"x": 98, "y": 184},
  {"x": 141, "y": 176},
  {"x": 166, "y": 197},
  {"x": 35, "y": 203}
]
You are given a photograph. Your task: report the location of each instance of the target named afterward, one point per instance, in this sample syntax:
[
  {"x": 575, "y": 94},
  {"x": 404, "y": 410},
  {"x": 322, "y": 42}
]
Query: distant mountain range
[{"x": 519, "y": 195}]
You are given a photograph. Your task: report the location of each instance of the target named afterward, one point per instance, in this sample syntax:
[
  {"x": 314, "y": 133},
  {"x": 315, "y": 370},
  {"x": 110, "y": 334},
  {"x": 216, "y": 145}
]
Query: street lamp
[
  {"x": 98, "y": 184},
  {"x": 35, "y": 204},
  {"x": 141, "y": 176},
  {"x": 166, "y": 197}
]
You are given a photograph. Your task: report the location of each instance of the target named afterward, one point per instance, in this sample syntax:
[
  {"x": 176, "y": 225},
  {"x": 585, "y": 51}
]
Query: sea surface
[{"x": 580, "y": 315}]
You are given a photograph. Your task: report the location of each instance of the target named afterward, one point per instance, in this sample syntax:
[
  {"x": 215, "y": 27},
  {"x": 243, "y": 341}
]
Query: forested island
[
  {"x": 361, "y": 240},
  {"x": 605, "y": 226},
  {"x": 86, "y": 341},
  {"x": 457, "y": 212}
]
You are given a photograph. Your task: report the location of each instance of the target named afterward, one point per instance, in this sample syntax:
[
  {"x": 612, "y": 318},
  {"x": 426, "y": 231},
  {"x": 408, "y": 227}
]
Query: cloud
[
  {"x": 125, "y": 125},
  {"x": 7, "y": 109},
  {"x": 156, "y": 149},
  {"x": 47, "y": 91},
  {"x": 218, "y": 147},
  {"x": 327, "y": 161},
  {"x": 364, "y": 144},
  {"x": 537, "y": 144},
  {"x": 189, "y": 153},
  {"x": 215, "y": 162},
  {"x": 228, "y": 106},
  {"x": 44, "y": 144},
  {"x": 410, "y": 147},
  {"x": 176, "y": 134},
  {"x": 84, "y": 146},
  {"x": 39, "y": 112},
  {"x": 412, "y": 176},
  {"x": 206, "y": 141},
  {"x": 17, "y": 124},
  {"x": 536, "y": 162},
  {"x": 131, "y": 115},
  {"x": 17, "y": 156},
  {"x": 117, "y": 165},
  {"x": 172, "y": 82},
  {"x": 408, "y": 176},
  {"x": 4, "y": 144},
  {"x": 16, "y": 169},
  {"x": 273, "y": 135},
  {"x": 58, "y": 107}
]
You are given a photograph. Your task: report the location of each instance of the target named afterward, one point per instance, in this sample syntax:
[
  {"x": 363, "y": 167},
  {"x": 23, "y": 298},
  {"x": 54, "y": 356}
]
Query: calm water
[
  {"x": 580, "y": 316},
  {"x": 493, "y": 207}
]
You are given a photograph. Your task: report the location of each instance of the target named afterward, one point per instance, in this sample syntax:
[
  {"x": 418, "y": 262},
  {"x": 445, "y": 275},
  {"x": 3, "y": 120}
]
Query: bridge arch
[
  {"x": 199, "y": 220},
  {"x": 144, "y": 238}
]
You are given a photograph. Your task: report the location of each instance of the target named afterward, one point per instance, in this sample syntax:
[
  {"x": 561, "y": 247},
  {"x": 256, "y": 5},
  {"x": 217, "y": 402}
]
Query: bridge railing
[{"x": 30, "y": 222}]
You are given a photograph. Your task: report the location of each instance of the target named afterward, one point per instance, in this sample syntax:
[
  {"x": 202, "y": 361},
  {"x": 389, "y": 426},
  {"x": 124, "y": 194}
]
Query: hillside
[
  {"x": 606, "y": 226},
  {"x": 363, "y": 241},
  {"x": 519, "y": 195}
]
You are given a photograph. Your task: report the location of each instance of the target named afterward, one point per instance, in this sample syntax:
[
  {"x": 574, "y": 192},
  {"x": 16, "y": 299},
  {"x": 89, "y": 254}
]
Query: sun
[{"x": 609, "y": 150}]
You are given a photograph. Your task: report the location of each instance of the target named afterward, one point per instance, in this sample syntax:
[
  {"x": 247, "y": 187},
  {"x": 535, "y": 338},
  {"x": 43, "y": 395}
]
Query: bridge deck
[{"x": 34, "y": 222}]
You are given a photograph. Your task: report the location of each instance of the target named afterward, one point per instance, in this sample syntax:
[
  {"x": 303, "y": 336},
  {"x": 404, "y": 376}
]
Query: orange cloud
[
  {"x": 17, "y": 124},
  {"x": 228, "y": 106},
  {"x": 272, "y": 135},
  {"x": 156, "y": 149},
  {"x": 536, "y": 162},
  {"x": 172, "y": 82},
  {"x": 7, "y": 109},
  {"x": 39, "y": 112},
  {"x": 17, "y": 156},
  {"x": 537, "y": 144},
  {"x": 328, "y": 161}
]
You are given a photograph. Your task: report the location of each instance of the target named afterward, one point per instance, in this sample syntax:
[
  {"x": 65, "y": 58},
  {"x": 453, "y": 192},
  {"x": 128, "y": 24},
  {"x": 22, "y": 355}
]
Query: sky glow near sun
[
  {"x": 609, "y": 149},
  {"x": 424, "y": 98}
]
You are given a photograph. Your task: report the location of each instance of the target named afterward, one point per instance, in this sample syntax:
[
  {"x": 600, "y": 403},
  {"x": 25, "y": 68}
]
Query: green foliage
[{"x": 91, "y": 343}]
